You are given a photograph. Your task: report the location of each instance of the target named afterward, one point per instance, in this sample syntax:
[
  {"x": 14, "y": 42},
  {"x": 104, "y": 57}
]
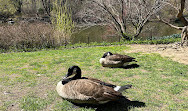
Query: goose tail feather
[{"x": 122, "y": 88}]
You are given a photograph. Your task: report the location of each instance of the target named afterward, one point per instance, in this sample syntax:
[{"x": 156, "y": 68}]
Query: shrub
[
  {"x": 62, "y": 21},
  {"x": 7, "y": 8},
  {"x": 26, "y": 36}
]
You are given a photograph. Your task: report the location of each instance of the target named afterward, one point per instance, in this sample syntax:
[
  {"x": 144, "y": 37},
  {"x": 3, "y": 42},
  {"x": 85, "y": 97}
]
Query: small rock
[{"x": 6, "y": 92}]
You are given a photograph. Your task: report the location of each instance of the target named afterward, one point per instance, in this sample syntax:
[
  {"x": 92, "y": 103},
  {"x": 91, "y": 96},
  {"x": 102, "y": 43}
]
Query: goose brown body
[
  {"x": 82, "y": 90},
  {"x": 115, "y": 60},
  {"x": 86, "y": 91}
]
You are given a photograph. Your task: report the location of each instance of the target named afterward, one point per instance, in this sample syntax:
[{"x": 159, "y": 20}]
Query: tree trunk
[
  {"x": 126, "y": 37},
  {"x": 34, "y": 7},
  {"x": 19, "y": 10},
  {"x": 184, "y": 36},
  {"x": 180, "y": 13},
  {"x": 123, "y": 32},
  {"x": 138, "y": 31},
  {"x": 184, "y": 33},
  {"x": 46, "y": 4}
]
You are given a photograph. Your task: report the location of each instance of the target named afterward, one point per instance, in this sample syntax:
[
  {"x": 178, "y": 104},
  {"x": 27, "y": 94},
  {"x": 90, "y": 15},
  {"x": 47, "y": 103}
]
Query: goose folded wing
[
  {"x": 124, "y": 58},
  {"x": 90, "y": 91},
  {"x": 100, "y": 82}
]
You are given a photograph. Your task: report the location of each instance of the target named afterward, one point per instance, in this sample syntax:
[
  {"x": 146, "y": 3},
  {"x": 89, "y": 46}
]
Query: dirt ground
[{"x": 174, "y": 51}]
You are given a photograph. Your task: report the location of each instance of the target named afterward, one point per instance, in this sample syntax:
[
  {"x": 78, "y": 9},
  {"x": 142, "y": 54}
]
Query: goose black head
[
  {"x": 107, "y": 54},
  {"x": 74, "y": 72}
]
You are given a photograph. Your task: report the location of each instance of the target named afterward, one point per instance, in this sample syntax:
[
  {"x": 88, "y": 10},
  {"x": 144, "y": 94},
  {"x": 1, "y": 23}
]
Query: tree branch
[
  {"x": 167, "y": 23},
  {"x": 110, "y": 13}
]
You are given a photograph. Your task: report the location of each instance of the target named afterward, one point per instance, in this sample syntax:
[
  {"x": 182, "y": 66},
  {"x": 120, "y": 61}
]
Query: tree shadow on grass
[{"x": 121, "y": 105}]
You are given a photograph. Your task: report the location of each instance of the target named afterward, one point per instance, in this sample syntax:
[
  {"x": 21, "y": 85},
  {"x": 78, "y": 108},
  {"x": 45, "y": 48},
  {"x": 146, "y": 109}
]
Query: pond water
[
  {"x": 103, "y": 34},
  {"x": 94, "y": 34}
]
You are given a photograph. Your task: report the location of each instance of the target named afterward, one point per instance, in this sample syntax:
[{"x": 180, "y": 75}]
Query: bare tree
[
  {"x": 19, "y": 6},
  {"x": 34, "y": 6},
  {"x": 180, "y": 16},
  {"x": 47, "y": 4},
  {"x": 120, "y": 13},
  {"x": 141, "y": 11}
]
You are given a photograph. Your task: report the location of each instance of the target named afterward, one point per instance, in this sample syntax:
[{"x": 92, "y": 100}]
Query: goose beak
[{"x": 65, "y": 77}]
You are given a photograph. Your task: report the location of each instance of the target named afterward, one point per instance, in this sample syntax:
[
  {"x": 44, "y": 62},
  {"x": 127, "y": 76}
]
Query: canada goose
[
  {"x": 115, "y": 60},
  {"x": 82, "y": 90}
]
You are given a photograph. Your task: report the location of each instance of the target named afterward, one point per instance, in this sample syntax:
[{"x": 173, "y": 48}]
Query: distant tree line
[{"x": 127, "y": 17}]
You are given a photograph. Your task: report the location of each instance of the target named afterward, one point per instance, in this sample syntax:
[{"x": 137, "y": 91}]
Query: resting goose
[
  {"x": 115, "y": 60},
  {"x": 82, "y": 90}
]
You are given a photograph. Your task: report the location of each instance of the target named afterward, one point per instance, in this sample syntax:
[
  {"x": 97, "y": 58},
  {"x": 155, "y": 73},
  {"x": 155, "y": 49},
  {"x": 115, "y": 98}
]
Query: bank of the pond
[{"x": 153, "y": 40}]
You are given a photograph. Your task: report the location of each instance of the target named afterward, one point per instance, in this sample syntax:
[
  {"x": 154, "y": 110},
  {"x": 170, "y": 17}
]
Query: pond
[
  {"x": 104, "y": 34},
  {"x": 94, "y": 34}
]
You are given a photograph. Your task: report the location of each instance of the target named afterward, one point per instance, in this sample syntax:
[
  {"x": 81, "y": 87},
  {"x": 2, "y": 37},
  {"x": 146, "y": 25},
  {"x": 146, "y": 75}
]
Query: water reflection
[{"x": 104, "y": 34}]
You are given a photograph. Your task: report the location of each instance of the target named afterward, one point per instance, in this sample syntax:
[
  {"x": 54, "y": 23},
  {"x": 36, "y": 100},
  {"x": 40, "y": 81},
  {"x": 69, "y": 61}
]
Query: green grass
[
  {"x": 30, "y": 79},
  {"x": 148, "y": 41}
]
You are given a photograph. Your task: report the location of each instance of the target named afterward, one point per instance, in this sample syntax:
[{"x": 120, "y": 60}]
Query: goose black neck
[
  {"x": 71, "y": 70},
  {"x": 77, "y": 75},
  {"x": 78, "y": 72}
]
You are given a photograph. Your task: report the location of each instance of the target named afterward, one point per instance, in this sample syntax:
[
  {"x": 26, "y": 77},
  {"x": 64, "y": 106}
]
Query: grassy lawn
[{"x": 28, "y": 79}]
